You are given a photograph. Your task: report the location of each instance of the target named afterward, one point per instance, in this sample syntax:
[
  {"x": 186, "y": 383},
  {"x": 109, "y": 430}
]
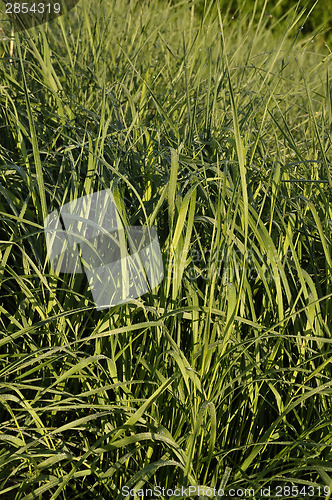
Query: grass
[{"x": 218, "y": 131}]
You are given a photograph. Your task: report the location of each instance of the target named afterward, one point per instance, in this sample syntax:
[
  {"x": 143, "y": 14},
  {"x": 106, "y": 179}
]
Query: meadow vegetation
[{"x": 218, "y": 132}]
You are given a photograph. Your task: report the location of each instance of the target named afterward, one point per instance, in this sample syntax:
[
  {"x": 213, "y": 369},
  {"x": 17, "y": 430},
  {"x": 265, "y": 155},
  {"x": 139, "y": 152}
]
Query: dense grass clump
[
  {"x": 219, "y": 133},
  {"x": 317, "y": 19}
]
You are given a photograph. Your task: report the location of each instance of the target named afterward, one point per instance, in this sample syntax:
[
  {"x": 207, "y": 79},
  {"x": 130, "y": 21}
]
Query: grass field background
[{"x": 217, "y": 131}]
